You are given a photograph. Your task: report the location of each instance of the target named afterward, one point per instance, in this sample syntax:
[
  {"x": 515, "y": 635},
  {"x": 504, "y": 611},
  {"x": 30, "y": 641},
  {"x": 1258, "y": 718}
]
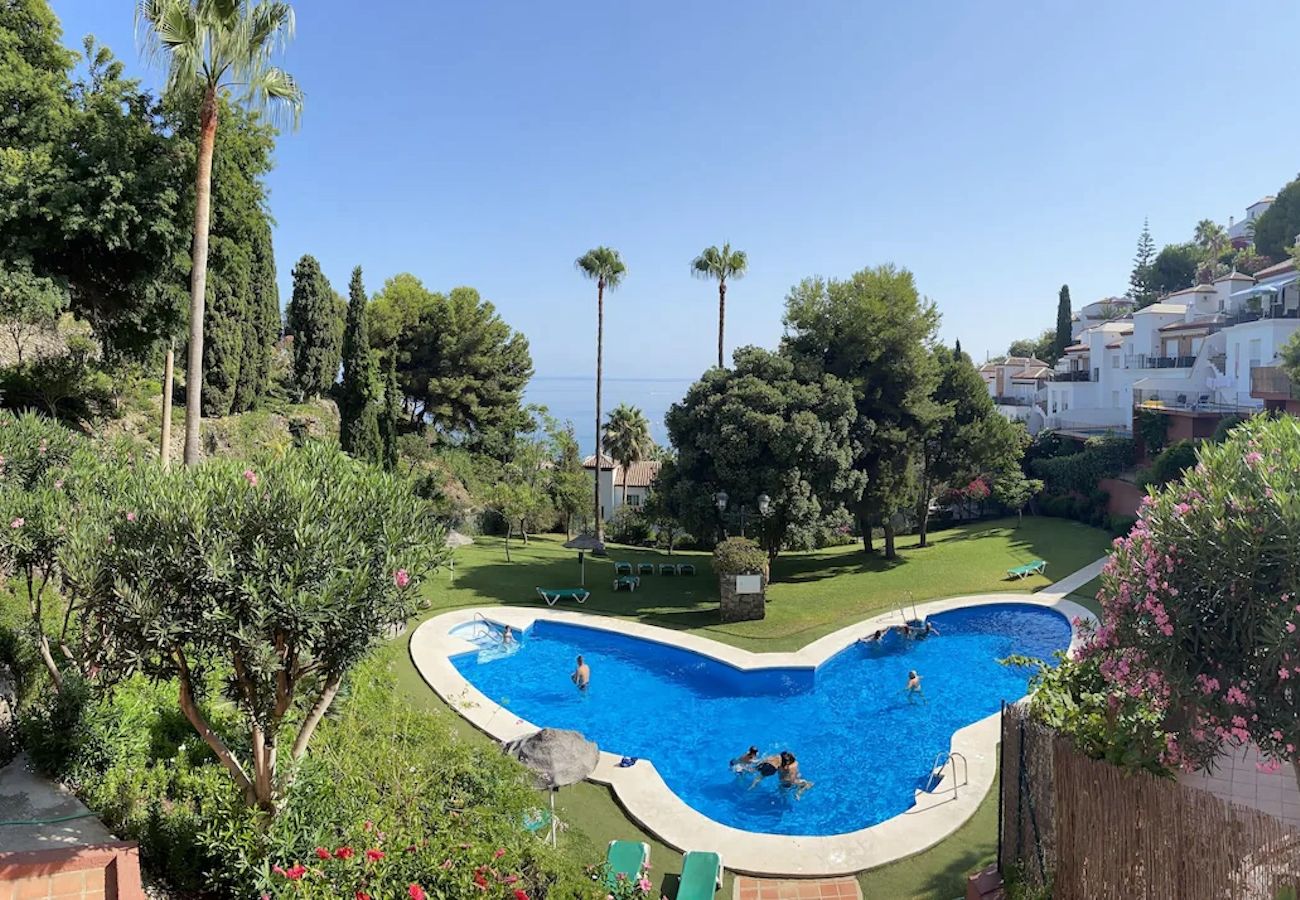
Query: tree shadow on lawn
[{"x": 819, "y": 565}]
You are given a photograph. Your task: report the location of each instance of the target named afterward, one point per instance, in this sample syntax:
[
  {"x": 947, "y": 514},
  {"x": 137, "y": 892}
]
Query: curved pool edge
[{"x": 647, "y": 799}]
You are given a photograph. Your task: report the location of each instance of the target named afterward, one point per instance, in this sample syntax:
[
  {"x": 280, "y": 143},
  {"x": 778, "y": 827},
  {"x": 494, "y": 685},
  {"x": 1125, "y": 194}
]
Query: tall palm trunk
[
  {"x": 624, "y": 465},
  {"x": 169, "y": 377},
  {"x": 199, "y": 275},
  {"x": 600, "y": 349},
  {"x": 722, "y": 316}
]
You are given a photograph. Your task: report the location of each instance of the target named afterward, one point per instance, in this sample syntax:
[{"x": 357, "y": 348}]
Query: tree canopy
[
  {"x": 760, "y": 428},
  {"x": 359, "y": 432},
  {"x": 1277, "y": 227},
  {"x": 315, "y": 318},
  {"x": 871, "y": 331}
]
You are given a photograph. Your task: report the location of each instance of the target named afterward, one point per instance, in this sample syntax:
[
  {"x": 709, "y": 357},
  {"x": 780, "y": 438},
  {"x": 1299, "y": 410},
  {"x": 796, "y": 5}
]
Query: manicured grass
[
  {"x": 811, "y": 595},
  {"x": 1087, "y": 596}
]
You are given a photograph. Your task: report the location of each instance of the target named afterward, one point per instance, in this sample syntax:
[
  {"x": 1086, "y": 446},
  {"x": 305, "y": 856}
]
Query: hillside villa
[{"x": 640, "y": 475}]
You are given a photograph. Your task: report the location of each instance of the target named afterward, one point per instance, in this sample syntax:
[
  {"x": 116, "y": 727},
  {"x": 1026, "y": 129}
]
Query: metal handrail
[{"x": 941, "y": 761}]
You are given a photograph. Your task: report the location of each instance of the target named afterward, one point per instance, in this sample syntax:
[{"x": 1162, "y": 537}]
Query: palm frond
[
  {"x": 720, "y": 264},
  {"x": 277, "y": 91},
  {"x": 602, "y": 264}
]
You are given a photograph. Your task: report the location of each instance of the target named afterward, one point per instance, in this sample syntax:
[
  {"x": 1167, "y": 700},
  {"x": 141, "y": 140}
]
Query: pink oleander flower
[
  {"x": 1253, "y": 457},
  {"x": 416, "y": 892},
  {"x": 251, "y": 477},
  {"x": 18, "y": 522},
  {"x": 498, "y": 853},
  {"x": 130, "y": 517},
  {"x": 401, "y": 578}
]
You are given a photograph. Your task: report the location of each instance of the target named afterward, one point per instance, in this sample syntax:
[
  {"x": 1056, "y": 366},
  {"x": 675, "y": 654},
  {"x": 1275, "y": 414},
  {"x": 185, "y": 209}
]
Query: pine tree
[
  {"x": 358, "y": 409},
  {"x": 1139, "y": 282},
  {"x": 1064, "y": 330},
  {"x": 314, "y": 322},
  {"x": 392, "y": 412}
]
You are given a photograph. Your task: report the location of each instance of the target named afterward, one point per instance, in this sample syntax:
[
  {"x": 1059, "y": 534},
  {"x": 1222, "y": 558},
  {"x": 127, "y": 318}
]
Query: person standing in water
[
  {"x": 914, "y": 687},
  {"x": 581, "y": 675}
]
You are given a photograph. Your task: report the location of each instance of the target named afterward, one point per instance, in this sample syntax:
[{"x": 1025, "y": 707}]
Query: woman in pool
[
  {"x": 874, "y": 639},
  {"x": 746, "y": 762},
  {"x": 507, "y": 636},
  {"x": 791, "y": 780},
  {"x": 767, "y": 767}
]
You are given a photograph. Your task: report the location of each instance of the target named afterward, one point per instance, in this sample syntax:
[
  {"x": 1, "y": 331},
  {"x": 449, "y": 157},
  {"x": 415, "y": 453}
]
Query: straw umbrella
[
  {"x": 557, "y": 757},
  {"x": 454, "y": 541},
  {"x": 586, "y": 543}
]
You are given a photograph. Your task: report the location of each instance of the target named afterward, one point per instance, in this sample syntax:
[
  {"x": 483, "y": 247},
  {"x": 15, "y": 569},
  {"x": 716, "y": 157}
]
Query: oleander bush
[{"x": 739, "y": 556}]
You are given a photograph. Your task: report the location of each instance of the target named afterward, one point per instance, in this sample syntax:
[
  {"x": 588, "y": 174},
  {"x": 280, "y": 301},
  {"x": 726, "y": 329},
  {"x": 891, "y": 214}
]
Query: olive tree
[
  {"x": 1200, "y": 607},
  {"x": 266, "y": 581}
]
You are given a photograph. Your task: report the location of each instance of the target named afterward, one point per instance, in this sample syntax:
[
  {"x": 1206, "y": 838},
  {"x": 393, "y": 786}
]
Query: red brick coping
[{"x": 94, "y": 872}]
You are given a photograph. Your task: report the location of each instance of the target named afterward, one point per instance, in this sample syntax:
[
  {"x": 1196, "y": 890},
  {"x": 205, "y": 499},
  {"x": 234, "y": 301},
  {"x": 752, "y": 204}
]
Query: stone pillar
[{"x": 742, "y": 607}]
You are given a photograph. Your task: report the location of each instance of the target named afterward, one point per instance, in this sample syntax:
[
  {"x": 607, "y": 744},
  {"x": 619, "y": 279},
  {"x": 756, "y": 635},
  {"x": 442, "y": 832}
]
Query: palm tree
[
  {"x": 720, "y": 265},
  {"x": 212, "y": 47},
  {"x": 627, "y": 437},
  {"x": 1212, "y": 239},
  {"x": 605, "y": 267}
]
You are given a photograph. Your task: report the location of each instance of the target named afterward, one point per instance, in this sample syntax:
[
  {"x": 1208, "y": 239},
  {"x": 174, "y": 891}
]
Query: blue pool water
[{"x": 848, "y": 722}]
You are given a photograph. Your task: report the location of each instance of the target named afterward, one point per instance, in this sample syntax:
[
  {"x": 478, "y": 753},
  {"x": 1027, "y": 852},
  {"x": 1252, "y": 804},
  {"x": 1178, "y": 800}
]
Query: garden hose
[{"x": 54, "y": 821}]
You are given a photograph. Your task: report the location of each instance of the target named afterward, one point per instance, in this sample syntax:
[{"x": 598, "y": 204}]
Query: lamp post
[
  {"x": 764, "y": 503},
  {"x": 720, "y": 498}
]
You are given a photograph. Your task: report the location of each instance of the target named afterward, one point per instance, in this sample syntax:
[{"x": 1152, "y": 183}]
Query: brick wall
[{"x": 99, "y": 872}]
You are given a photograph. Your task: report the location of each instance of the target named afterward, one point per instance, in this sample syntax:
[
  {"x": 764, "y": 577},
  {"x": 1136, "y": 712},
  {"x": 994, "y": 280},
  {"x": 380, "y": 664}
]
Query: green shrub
[
  {"x": 739, "y": 556},
  {"x": 1225, "y": 426},
  {"x": 1154, "y": 428},
  {"x": 1170, "y": 464},
  {"x": 629, "y": 525},
  {"x": 1100, "y": 458}
]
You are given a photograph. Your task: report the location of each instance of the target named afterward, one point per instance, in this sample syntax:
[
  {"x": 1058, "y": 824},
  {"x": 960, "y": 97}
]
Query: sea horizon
[{"x": 571, "y": 398}]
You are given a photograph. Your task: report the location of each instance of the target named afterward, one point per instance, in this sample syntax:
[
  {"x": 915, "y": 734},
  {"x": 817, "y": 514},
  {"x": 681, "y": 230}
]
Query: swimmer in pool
[
  {"x": 929, "y": 629},
  {"x": 914, "y": 687},
  {"x": 581, "y": 676},
  {"x": 874, "y": 639},
  {"x": 767, "y": 767},
  {"x": 507, "y": 636},
  {"x": 790, "y": 777},
  {"x": 746, "y": 762}
]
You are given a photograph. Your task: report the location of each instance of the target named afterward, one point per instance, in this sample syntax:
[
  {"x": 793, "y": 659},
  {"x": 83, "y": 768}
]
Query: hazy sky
[{"x": 996, "y": 149}]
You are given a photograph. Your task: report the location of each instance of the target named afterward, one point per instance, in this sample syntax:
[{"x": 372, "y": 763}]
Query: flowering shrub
[
  {"x": 279, "y": 576},
  {"x": 1200, "y": 608}
]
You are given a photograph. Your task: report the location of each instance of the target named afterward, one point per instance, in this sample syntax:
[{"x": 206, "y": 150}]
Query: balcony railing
[
  {"x": 1013, "y": 401},
  {"x": 1072, "y": 376},
  {"x": 1161, "y": 362},
  {"x": 1272, "y": 381}
]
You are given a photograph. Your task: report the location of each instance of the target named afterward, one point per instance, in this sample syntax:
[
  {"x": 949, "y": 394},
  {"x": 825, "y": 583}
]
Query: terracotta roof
[
  {"x": 1276, "y": 269},
  {"x": 639, "y": 474}
]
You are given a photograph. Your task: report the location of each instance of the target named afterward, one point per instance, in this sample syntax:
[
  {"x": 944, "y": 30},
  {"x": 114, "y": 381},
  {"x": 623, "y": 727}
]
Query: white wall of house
[{"x": 611, "y": 493}]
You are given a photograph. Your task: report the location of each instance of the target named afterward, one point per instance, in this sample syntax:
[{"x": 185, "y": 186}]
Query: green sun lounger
[
  {"x": 626, "y": 582},
  {"x": 553, "y": 596},
  {"x": 645, "y": 569},
  {"x": 626, "y": 858},
  {"x": 701, "y": 876},
  {"x": 1037, "y": 567},
  {"x": 686, "y": 569},
  {"x": 667, "y": 569},
  {"x": 622, "y": 568}
]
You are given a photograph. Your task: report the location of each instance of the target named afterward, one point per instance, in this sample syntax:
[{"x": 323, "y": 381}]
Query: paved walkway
[
  {"x": 1075, "y": 580},
  {"x": 1237, "y": 779},
  {"x": 27, "y": 797},
  {"x": 748, "y": 888}
]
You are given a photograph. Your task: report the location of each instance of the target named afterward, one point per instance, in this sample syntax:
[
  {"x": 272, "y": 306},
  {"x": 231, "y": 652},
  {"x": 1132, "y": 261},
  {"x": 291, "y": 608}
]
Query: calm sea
[{"x": 573, "y": 398}]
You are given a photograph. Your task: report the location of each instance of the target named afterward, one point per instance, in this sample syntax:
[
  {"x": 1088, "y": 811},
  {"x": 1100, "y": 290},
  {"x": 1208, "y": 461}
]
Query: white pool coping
[{"x": 651, "y": 803}]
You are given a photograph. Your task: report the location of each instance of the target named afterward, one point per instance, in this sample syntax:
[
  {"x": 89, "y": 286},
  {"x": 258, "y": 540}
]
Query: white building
[
  {"x": 640, "y": 476},
  {"x": 1098, "y": 311},
  {"x": 1018, "y": 386},
  {"x": 1242, "y": 234},
  {"x": 1189, "y": 356}
]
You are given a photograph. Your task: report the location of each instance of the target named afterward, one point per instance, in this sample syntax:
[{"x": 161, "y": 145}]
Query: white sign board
[{"x": 749, "y": 584}]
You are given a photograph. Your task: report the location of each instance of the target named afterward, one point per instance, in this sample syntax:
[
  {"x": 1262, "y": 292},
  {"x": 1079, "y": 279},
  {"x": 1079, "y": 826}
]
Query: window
[
  {"x": 1254, "y": 353},
  {"x": 633, "y": 499},
  {"x": 1114, "y": 360}
]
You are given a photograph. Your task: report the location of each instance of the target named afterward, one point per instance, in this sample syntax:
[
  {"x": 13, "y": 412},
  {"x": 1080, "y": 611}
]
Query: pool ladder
[
  {"x": 489, "y": 627},
  {"x": 941, "y": 761}
]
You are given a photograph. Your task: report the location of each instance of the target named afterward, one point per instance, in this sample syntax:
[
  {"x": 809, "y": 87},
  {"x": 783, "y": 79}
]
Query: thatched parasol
[
  {"x": 586, "y": 543},
  {"x": 557, "y": 757}
]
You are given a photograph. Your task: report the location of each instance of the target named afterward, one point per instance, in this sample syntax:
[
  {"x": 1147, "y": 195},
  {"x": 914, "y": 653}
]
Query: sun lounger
[
  {"x": 629, "y": 582},
  {"x": 686, "y": 569},
  {"x": 1037, "y": 567},
  {"x": 553, "y": 596},
  {"x": 645, "y": 569},
  {"x": 701, "y": 876},
  {"x": 626, "y": 858},
  {"x": 622, "y": 568},
  {"x": 667, "y": 569}
]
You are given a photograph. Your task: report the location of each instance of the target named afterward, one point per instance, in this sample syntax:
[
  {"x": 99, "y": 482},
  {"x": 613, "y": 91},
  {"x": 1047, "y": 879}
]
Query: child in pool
[{"x": 914, "y": 687}]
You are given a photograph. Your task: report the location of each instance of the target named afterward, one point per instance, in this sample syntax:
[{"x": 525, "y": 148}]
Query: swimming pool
[{"x": 848, "y": 721}]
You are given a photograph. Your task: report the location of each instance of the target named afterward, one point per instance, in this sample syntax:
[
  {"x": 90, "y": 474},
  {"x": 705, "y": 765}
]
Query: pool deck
[{"x": 647, "y": 799}]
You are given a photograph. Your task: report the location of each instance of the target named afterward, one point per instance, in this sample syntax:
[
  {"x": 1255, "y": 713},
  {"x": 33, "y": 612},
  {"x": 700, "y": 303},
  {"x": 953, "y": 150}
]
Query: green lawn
[{"x": 811, "y": 595}]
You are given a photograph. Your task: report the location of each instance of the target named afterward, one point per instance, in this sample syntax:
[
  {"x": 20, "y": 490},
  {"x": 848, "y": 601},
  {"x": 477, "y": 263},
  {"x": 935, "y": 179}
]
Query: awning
[{"x": 1270, "y": 287}]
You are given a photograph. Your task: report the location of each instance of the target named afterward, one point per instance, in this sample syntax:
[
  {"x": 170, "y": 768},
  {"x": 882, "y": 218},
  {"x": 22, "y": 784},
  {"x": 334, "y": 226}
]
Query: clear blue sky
[{"x": 996, "y": 149}]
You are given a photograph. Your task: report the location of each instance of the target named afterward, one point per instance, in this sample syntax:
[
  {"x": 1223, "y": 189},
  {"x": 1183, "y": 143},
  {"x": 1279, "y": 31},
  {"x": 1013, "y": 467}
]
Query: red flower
[
  {"x": 374, "y": 855},
  {"x": 416, "y": 892},
  {"x": 479, "y": 879},
  {"x": 322, "y": 853},
  {"x": 344, "y": 853},
  {"x": 362, "y": 895},
  {"x": 500, "y": 852},
  {"x": 295, "y": 872},
  {"x": 520, "y": 895}
]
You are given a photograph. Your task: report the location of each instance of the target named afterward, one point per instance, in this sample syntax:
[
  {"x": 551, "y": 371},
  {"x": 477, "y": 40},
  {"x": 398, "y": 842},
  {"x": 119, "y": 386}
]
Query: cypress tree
[
  {"x": 1063, "y": 329},
  {"x": 392, "y": 412},
  {"x": 314, "y": 322},
  {"x": 957, "y": 348},
  {"x": 261, "y": 323},
  {"x": 223, "y": 345},
  {"x": 358, "y": 407}
]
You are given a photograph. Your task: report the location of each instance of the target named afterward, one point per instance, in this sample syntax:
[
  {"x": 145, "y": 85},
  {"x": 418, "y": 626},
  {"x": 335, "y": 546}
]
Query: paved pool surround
[{"x": 647, "y": 799}]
